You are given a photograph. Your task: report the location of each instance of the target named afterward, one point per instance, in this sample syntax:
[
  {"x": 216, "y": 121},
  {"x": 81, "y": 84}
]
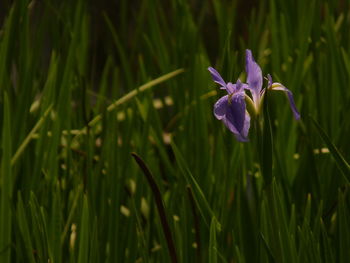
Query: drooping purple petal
[
  {"x": 231, "y": 127},
  {"x": 279, "y": 86},
  {"x": 254, "y": 76},
  {"x": 220, "y": 107},
  {"x": 216, "y": 77},
  {"x": 236, "y": 111},
  {"x": 235, "y": 118}
]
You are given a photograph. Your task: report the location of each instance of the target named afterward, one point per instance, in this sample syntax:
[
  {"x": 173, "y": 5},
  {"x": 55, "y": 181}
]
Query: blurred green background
[{"x": 83, "y": 84}]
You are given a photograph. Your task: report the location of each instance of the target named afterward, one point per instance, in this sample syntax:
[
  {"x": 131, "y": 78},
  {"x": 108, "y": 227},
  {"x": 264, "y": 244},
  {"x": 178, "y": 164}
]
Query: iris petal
[
  {"x": 279, "y": 86},
  {"x": 216, "y": 77},
  {"x": 231, "y": 127},
  {"x": 220, "y": 107},
  {"x": 236, "y": 118},
  {"x": 254, "y": 76}
]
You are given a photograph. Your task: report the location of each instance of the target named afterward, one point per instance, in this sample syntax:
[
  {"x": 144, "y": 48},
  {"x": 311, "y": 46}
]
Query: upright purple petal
[
  {"x": 279, "y": 86},
  {"x": 235, "y": 118},
  {"x": 239, "y": 85},
  {"x": 254, "y": 76},
  {"x": 216, "y": 77},
  {"x": 220, "y": 107}
]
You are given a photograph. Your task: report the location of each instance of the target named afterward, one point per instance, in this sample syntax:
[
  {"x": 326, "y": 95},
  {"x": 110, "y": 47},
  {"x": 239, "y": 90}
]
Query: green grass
[{"x": 84, "y": 85}]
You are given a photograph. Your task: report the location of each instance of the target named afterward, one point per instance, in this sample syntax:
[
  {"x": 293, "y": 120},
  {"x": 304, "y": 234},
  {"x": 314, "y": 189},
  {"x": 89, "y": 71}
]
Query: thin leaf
[
  {"x": 84, "y": 237},
  {"x": 212, "y": 242},
  {"x": 6, "y": 186},
  {"x": 342, "y": 164},
  {"x": 24, "y": 228}
]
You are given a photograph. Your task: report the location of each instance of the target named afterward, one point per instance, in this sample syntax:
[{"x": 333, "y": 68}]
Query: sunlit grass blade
[
  {"x": 26, "y": 141},
  {"x": 132, "y": 94}
]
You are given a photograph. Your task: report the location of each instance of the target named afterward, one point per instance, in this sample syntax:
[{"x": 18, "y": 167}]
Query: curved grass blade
[
  {"x": 132, "y": 94},
  {"x": 342, "y": 164},
  {"x": 160, "y": 206}
]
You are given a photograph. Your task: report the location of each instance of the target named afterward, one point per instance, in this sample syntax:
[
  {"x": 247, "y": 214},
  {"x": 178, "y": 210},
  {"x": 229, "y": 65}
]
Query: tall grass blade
[
  {"x": 6, "y": 177},
  {"x": 212, "y": 242},
  {"x": 200, "y": 198},
  {"x": 24, "y": 228},
  {"x": 196, "y": 223},
  {"x": 84, "y": 236},
  {"x": 343, "y": 228},
  {"x": 5, "y": 51},
  {"x": 267, "y": 147}
]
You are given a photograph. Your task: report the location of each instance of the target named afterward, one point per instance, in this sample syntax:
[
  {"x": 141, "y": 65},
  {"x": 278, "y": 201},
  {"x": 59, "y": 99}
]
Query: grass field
[{"x": 110, "y": 151}]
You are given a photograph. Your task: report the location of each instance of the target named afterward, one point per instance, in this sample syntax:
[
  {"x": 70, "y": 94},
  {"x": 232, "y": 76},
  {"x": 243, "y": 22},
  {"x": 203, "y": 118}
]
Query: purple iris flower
[{"x": 231, "y": 108}]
